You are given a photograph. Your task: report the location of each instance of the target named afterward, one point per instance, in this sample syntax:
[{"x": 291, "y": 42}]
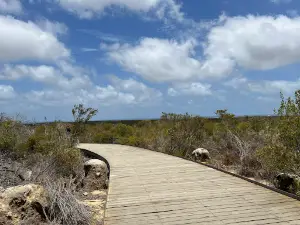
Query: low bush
[{"x": 64, "y": 207}]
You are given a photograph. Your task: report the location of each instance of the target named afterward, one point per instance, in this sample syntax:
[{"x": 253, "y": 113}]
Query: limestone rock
[
  {"x": 25, "y": 174},
  {"x": 96, "y": 174},
  {"x": 21, "y": 203},
  {"x": 97, "y": 209}
]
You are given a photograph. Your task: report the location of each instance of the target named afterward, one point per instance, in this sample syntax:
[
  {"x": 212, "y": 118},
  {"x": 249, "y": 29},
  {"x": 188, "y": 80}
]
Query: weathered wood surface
[{"x": 148, "y": 187}]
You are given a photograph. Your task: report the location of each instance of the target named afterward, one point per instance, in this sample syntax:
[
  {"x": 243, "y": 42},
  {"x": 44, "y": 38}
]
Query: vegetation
[
  {"x": 49, "y": 152},
  {"x": 259, "y": 147}
]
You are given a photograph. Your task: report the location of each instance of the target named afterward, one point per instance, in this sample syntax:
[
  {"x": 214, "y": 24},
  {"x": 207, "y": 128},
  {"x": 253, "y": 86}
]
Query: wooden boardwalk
[{"x": 152, "y": 188}]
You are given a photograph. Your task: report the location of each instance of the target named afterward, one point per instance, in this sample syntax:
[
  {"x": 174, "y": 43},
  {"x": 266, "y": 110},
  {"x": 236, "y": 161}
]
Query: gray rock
[
  {"x": 25, "y": 174},
  {"x": 201, "y": 154},
  {"x": 287, "y": 182},
  {"x": 23, "y": 202},
  {"x": 96, "y": 174}
]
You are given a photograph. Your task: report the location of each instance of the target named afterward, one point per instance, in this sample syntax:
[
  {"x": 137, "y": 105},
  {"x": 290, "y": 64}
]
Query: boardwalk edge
[
  {"x": 89, "y": 153},
  {"x": 253, "y": 181},
  {"x": 296, "y": 197}
]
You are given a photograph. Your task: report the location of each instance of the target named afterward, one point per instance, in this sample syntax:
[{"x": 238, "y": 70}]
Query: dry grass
[
  {"x": 64, "y": 207},
  {"x": 48, "y": 151}
]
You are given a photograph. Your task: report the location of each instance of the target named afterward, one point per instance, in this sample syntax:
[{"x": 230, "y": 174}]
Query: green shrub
[
  {"x": 209, "y": 127},
  {"x": 275, "y": 159},
  {"x": 103, "y": 138},
  {"x": 123, "y": 130},
  {"x": 68, "y": 160},
  {"x": 243, "y": 126}
]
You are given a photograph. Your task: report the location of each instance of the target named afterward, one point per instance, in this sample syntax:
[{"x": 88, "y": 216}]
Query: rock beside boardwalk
[
  {"x": 201, "y": 154},
  {"x": 23, "y": 205},
  {"x": 287, "y": 182},
  {"x": 96, "y": 174}
]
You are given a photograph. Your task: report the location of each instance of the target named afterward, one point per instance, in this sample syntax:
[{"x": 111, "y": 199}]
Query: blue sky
[{"x": 135, "y": 59}]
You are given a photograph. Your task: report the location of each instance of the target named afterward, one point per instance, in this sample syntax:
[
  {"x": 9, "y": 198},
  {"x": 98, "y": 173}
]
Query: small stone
[
  {"x": 25, "y": 175},
  {"x": 97, "y": 192},
  {"x": 96, "y": 173},
  {"x": 85, "y": 194},
  {"x": 9, "y": 215}
]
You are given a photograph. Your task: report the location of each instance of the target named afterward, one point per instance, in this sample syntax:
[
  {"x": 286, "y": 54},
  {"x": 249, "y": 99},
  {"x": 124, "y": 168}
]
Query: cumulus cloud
[
  {"x": 190, "y": 89},
  {"x": 118, "y": 92},
  {"x": 27, "y": 41},
  {"x": 252, "y": 42},
  {"x": 163, "y": 60},
  {"x": 11, "y": 6},
  {"x": 157, "y": 59},
  {"x": 266, "y": 87},
  {"x": 45, "y": 74},
  {"x": 236, "y": 82},
  {"x": 54, "y": 28},
  {"x": 275, "y": 86},
  {"x": 255, "y": 42},
  {"x": 91, "y": 8},
  {"x": 7, "y": 92},
  {"x": 140, "y": 90}
]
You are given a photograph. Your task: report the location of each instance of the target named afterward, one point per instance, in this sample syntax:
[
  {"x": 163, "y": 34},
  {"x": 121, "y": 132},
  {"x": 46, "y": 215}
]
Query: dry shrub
[
  {"x": 64, "y": 207},
  {"x": 63, "y": 165},
  {"x": 13, "y": 134},
  {"x": 47, "y": 150}
]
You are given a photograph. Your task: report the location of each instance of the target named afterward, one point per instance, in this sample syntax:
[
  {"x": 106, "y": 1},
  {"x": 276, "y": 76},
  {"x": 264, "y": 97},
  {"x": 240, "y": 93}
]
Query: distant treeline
[{"x": 133, "y": 122}]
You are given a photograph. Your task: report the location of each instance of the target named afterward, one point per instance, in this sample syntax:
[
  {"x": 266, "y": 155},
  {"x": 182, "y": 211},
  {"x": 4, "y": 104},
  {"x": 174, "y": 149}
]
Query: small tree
[
  {"x": 223, "y": 114},
  {"x": 81, "y": 116},
  {"x": 289, "y": 127},
  {"x": 283, "y": 153}
]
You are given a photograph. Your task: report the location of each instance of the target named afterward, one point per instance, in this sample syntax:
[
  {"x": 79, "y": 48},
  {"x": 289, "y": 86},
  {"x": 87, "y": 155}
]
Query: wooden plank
[{"x": 148, "y": 187}]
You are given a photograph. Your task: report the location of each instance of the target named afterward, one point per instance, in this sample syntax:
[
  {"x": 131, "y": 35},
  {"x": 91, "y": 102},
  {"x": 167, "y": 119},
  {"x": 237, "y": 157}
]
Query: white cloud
[
  {"x": 118, "y": 92},
  {"x": 255, "y": 42},
  {"x": 89, "y": 49},
  {"x": 267, "y": 99},
  {"x": 91, "y": 8},
  {"x": 107, "y": 95},
  {"x": 163, "y": 60},
  {"x": 7, "y": 92},
  {"x": 266, "y": 87},
  {"x": 190, "y": 89},
  {"x": 157, "y": 59},
  {"x": 252, "y": 42},
  {"x": 51, "y": 98},
  {"x": 10, "y": 6},
  {"x": 236, "y": 82},
  {"x": 141, "y": 91},
  {"x": 27, "y": 41},
  {"x": 47, "y": 75},
  {"x": 274, "y": 87},
  {"x": 54, "y": 28},
  {"x": 106, "y": 37}
]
